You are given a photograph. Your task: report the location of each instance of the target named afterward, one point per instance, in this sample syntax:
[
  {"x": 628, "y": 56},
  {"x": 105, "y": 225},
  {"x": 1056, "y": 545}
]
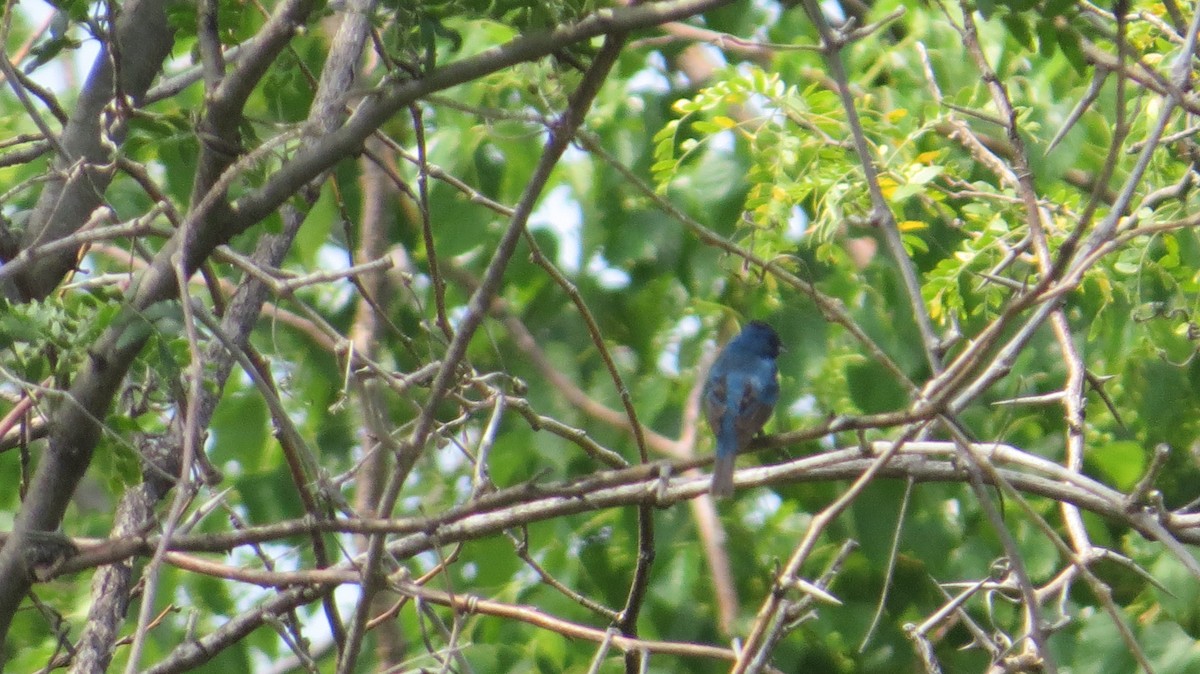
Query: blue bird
[{"x": 739, "y": 396}]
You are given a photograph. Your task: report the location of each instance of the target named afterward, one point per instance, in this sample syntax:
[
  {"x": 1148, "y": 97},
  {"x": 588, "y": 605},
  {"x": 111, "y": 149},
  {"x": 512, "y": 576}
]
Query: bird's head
[{"x": 761, "y": 339}]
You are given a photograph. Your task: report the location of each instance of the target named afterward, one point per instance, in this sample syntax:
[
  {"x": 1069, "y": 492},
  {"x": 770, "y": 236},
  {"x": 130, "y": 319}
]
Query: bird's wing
[
  {"x": 754, "y": 407},
  {"x": 769, "y": 376},
  {"x": 715, "y": 401}
]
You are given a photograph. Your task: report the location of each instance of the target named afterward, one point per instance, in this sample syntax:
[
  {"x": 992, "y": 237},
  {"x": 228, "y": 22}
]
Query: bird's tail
[{"x": 722, "y": 480}]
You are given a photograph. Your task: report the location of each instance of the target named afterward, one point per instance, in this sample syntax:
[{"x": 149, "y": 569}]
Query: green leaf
[
  {"x": 1068, "y": 41},
  {"x": 1018, "y": 27},
  {"x": 1171, "y": 259},
  {"x": 1121, "y": 462}
]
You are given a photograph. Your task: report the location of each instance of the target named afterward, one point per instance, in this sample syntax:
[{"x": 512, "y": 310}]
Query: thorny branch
[{"x": 445, "y": 377}]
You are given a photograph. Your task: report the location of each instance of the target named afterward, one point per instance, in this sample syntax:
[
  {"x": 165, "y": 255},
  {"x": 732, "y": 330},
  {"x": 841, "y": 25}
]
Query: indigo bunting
[{"x": 739, "y": 396}]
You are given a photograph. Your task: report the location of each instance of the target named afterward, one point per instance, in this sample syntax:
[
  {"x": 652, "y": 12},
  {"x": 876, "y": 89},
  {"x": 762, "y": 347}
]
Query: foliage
[{"x": 997, "y": 245}]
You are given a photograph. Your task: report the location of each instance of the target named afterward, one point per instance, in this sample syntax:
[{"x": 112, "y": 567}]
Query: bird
[{"x": 739, "y": 395}]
